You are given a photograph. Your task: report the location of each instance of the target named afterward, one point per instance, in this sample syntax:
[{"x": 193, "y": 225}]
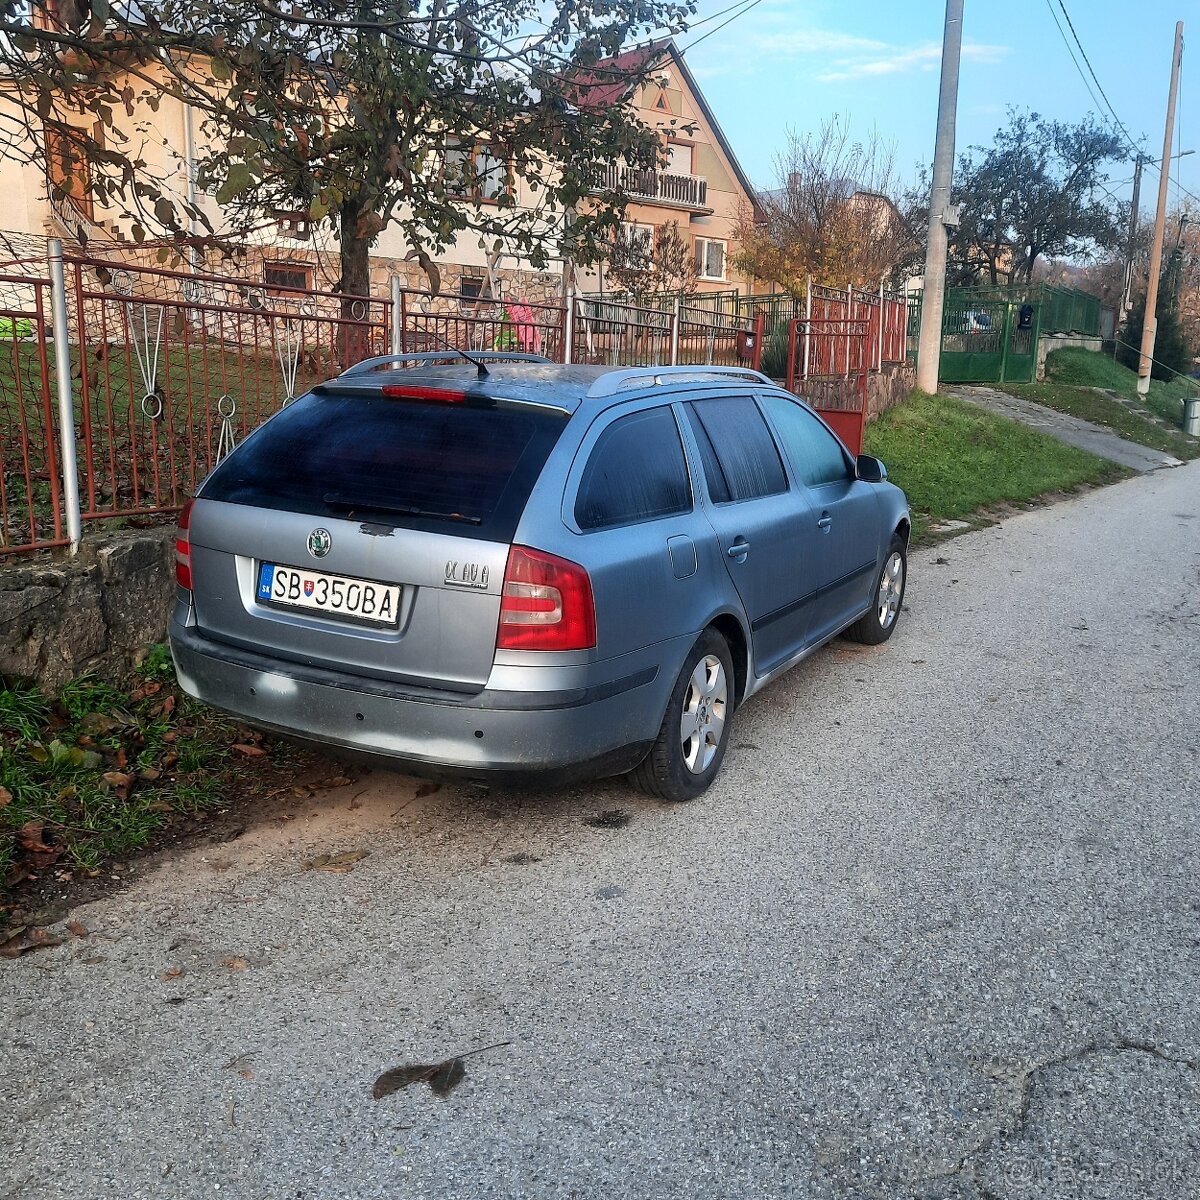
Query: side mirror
[{"x": 870, "y": 470}]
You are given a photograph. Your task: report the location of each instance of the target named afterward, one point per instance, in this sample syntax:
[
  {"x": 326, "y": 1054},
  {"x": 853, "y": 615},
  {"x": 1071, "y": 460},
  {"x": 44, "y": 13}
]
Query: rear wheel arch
[{"x": 730, "y": 628}]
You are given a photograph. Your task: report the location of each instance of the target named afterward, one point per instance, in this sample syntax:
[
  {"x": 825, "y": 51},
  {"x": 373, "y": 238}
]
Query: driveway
[
  {"x": 935, "y": 932},
  {"x": 1075, "y": 431}
]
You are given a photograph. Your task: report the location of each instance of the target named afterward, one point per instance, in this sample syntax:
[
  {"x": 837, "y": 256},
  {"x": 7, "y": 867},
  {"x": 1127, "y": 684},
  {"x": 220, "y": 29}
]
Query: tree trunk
[{"x": 354, "y": 333}]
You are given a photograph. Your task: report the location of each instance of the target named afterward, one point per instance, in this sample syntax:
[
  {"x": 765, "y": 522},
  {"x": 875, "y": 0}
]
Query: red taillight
[
  {"x": 546, "y": 604},
  {"x": 183, "y": 548},
  {"x": 435, "y": 395}
]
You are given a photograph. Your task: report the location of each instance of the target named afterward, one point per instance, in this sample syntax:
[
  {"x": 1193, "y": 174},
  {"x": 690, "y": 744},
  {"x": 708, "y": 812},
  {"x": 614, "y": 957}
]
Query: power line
[
  {"x": 744, "y": 10},
  {"x": 1063, "y": 34},
  {"x": 1092, "y": 72}
]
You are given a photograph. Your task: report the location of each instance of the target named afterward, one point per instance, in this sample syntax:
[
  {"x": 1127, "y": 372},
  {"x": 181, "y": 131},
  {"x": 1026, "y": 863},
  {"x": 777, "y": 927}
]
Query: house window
[
  {"x": 710, "y": 258},
  {"x": 287, "y": 275},
  {"x": 474, "y": 171},
  {"x": 471, "y": 289},
  {"x": 637, "y": 240},
  {"x": 69, "y": 170},
  {"x": 679, "y": 158}
]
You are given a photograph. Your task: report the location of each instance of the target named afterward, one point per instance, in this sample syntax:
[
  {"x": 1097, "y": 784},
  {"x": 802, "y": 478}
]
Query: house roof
[{"x": 610, "y": 81}]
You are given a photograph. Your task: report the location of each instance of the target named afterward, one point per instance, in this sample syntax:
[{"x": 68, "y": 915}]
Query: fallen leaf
[
  {"x": 335, "y": 781},
  {"x": 173, "y": 973},
  {"x": 248, "y": 750},
  {"x": 149, "y": 774},
  {"x": 335, "y": 863},
  {"x": 35, "y": 939},
  {"x": 442, "y": 1078},
  {"x": 31, "y": 836},
  {"x": 78, "y": 928},
  {"x": 5, "y": 796},
  {"x": 246, "y": 1074},
  {"x": 235, "y": 963},
  {"x": 119, "y": 781},
  {"x": 98, "y": 723},
  {"x": 447, "y": 1077}
]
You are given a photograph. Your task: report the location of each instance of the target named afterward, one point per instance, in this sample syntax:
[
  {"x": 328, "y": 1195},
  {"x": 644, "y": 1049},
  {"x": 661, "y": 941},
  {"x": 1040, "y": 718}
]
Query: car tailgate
[{"x": 444, "y": 634}]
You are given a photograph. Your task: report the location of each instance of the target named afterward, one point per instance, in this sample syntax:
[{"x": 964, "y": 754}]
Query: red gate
[{"x": 828, "y": 362}]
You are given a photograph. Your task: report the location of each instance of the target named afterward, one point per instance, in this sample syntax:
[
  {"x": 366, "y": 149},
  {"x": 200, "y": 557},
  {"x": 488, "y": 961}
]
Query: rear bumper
[{"x": 497, "y": 736}]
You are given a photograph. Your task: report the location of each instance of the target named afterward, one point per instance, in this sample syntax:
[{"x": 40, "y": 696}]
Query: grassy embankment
[
  {"x": 1072, "y": 379},
  {"x": 958, "y": 462}
]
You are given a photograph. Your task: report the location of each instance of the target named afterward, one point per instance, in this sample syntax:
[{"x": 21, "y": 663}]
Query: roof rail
[
  {"x": 633, "y": 377},
  {"x": 436, "y": 356}
]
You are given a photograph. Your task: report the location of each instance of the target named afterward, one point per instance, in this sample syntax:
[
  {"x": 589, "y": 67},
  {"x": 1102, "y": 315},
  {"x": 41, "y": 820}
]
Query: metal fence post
[
  {"x": 675, "y": 333},
  {"x": 879, "y": 343},
  {"x": 569, "y": 324},
  {"x": 396, "y": 334},
  {"x": 66, "y": 392},
  {"x": 807, "y": 320}
]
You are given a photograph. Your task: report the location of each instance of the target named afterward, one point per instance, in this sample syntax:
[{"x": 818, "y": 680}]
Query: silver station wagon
[{"x": 502, "y": 566}]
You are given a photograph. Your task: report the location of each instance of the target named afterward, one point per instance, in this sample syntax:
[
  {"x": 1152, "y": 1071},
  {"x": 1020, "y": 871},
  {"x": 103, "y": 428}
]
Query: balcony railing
[{"x": 666, "y": 187}]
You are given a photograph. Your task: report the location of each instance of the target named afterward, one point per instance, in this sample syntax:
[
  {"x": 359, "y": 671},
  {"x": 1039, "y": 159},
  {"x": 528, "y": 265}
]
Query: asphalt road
[{"x": 935, "y": 932}]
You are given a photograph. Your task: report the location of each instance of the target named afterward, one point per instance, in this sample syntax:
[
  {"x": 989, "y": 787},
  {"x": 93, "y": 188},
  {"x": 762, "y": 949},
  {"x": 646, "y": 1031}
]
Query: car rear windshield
[{"x": 451, "y": 468}]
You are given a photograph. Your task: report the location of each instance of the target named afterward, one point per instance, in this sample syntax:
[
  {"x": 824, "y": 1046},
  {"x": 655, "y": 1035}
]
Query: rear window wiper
[{"x": 357, "y": 508}]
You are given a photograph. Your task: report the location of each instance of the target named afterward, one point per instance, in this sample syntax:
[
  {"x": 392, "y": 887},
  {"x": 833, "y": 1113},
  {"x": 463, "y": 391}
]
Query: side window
[
  {"x": 636, "y": 472},
  {"x": 816, "y": 454},
  {"x": 740, "y": 458}
]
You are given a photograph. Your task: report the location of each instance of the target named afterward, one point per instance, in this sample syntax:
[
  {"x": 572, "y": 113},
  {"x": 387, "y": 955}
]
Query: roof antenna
[{"x": 477, "y": 363}]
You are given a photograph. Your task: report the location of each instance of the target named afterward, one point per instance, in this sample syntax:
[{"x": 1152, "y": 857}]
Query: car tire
[
  {"x": 879, "y": 624},
  {"x": 691, "y": 743}
]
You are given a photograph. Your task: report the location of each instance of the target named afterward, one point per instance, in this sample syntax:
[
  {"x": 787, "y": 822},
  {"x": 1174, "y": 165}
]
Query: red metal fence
[
  {"x": 174, "y": 368},
  {"x": 171, "y": 368},
  {"x": 30, "y": 483},
  {"x": 428, "y": 323}
]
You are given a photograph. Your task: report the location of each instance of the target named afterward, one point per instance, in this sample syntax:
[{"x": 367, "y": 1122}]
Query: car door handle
[
  {"x": 739, "y": 549},
  {"x": 825, "y": 523}
]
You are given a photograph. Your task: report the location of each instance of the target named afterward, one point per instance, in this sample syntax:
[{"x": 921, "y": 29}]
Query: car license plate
[{"x": 330, "y": 595}]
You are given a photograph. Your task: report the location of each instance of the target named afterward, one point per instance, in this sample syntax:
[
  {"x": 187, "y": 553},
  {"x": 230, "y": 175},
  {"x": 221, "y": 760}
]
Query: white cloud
[
  {"x": 898, "y": 60},
  {"x": 840, "y": 57}
]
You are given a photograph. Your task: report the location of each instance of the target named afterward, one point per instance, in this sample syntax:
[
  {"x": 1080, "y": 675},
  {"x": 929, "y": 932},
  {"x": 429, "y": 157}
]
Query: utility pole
[
  {"x": 929, "y": 345},
  {"x": 1131, "y": 238},
  {"x": 1150, "y": 327}
]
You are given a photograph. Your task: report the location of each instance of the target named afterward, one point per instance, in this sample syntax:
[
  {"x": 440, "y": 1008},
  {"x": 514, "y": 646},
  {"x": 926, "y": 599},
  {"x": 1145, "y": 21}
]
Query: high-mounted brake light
[
  {"x": 546, "y": 604},
  {"x": 434, "y": 395},
  {"x": 183, "y": 548}
]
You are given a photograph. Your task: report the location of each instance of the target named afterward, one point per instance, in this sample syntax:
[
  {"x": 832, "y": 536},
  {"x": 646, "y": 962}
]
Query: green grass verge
[
  {"x": 953, "y": 460},
  {"x": 1071, "y": 376},
  {"x": 91, "y": 774}
]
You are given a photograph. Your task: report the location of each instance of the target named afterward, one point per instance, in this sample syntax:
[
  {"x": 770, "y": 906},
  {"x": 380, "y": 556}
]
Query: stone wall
[
  {"x": 888, "y": 387},
  {"x": 60, "y": 617}
]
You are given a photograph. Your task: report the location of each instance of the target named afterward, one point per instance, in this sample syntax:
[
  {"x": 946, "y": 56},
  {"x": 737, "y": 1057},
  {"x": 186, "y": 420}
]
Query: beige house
[{"x": 699, "y": 186}]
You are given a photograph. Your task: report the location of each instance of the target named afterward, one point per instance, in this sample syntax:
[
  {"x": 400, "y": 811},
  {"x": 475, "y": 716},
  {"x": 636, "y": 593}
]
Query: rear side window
[
  {"x": 448, "y": 468},
  {"x": 740, "y": 458},
  {"x": 816, "y": 454},
  {"x": 636, "y": 472}
]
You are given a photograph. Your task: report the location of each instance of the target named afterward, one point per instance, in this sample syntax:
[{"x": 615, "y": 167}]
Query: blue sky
[{"x": 795, "y": 62}]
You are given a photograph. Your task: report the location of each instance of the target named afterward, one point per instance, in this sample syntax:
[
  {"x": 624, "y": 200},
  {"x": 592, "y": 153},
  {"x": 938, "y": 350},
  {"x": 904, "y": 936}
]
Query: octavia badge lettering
[{"x": 319, "y": 543}]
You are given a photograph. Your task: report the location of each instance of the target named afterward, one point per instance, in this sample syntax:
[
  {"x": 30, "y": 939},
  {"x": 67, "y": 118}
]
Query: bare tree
[
  {"x": 832, "y": 214},
  {"x": 658, "y": 264}
]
